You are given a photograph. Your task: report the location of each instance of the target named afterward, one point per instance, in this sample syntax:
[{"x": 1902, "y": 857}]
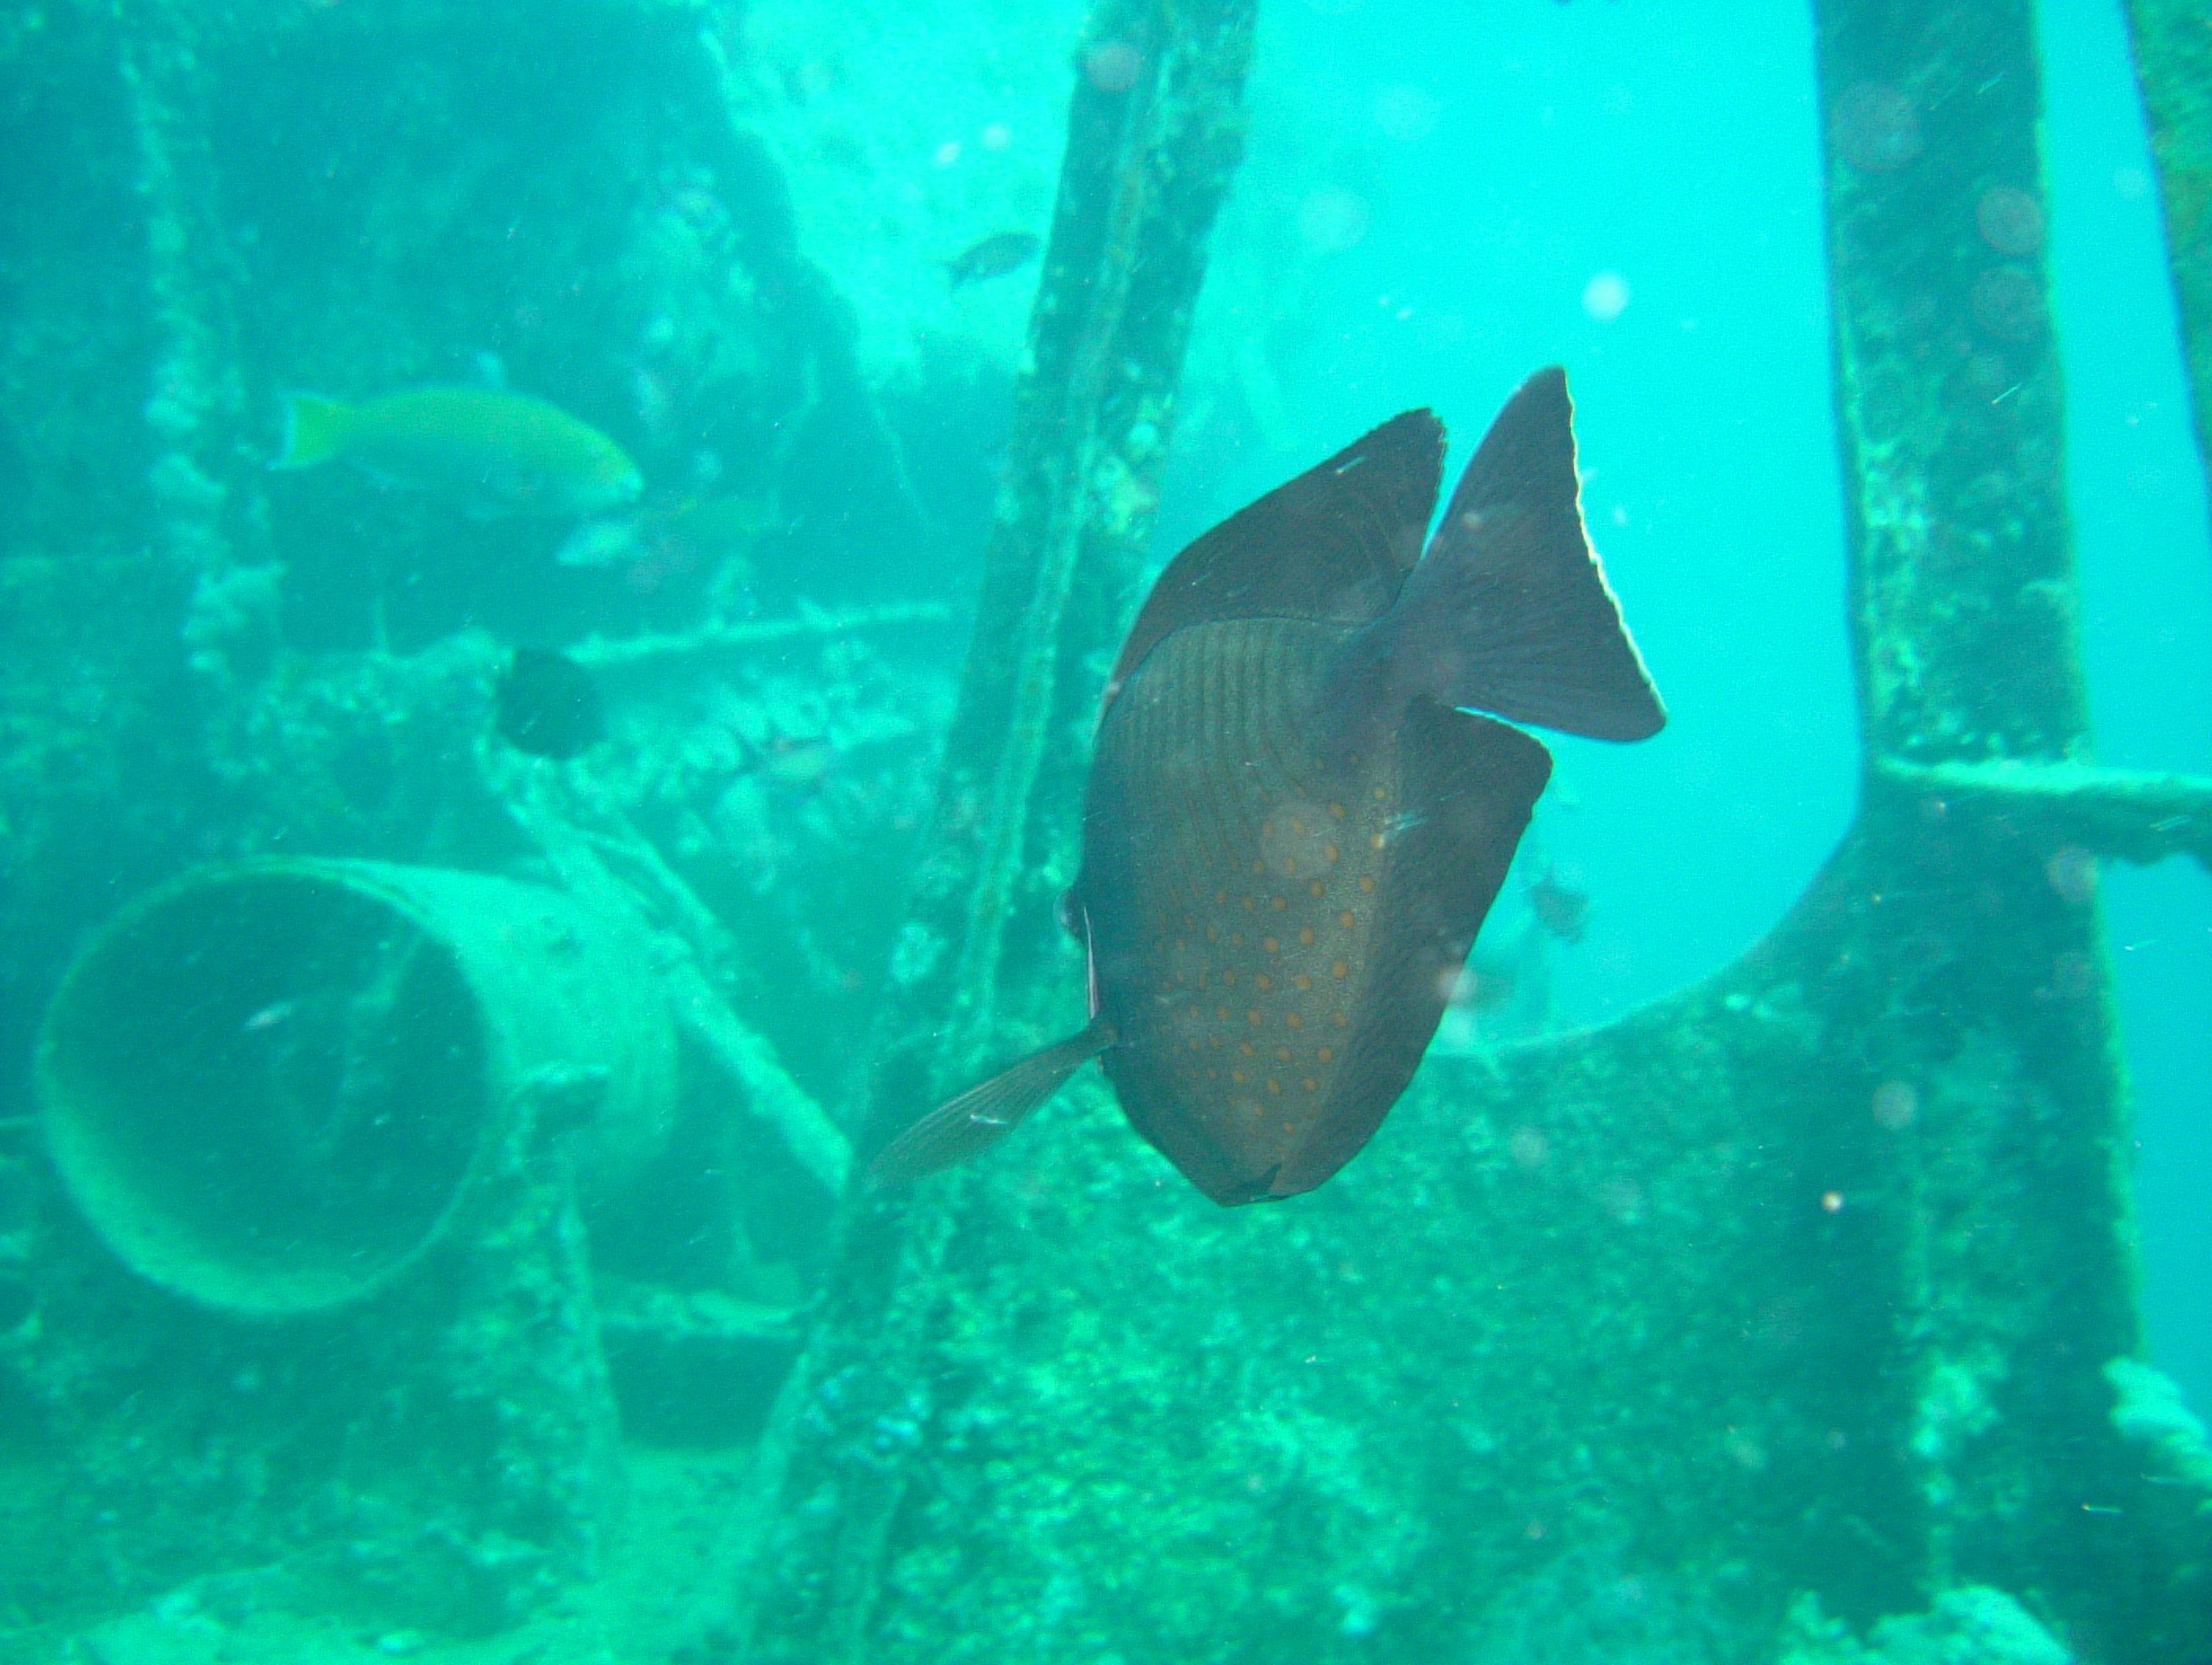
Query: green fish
[
  {"x": 993, "y": 257},
  {"x": 499, "y": 452}
]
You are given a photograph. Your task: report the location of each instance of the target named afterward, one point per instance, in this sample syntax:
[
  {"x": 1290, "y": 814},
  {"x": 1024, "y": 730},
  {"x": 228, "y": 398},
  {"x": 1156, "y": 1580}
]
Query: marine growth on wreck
[{"x": 629, "y": 629}]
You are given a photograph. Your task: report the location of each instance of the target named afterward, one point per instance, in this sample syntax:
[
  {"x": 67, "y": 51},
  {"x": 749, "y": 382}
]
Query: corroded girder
[
  {"x": 1154, "y": 133},
  {"x": 1947, "y": 395},
  {"x": 2126, "y": 814}
]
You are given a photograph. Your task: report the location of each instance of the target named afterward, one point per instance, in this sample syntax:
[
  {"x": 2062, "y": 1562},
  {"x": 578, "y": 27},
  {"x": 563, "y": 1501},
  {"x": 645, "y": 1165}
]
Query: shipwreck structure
[{"x": 1795, "y": 1309}]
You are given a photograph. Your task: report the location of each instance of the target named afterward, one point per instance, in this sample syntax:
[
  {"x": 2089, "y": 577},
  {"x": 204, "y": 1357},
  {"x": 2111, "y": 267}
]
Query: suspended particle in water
[
  {"x": 1528, "y": 1146},
  {"x": 1874, "y": 126},
  {"x": 1622, "y": 1198},
  {"x": 1332, "y": 220},
  {"x": 1605, "y": 297},
  {"x": 1895, "y": 1105},
  {"x": 2010, "y": 220},
  {"x": 1832, "y": 1202},
  {"x": 1748, "y": 1453},
  {"x": 1987, "y": 374},
  {"x": 1113, "y": 66},
  {"x": 2007, "y": 302},
  {"x": 1407, "y": 114},
  {"x": 2072, "y": 872}
]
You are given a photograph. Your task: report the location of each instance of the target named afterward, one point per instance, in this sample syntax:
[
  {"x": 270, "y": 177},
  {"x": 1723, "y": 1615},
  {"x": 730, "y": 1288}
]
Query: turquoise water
[
  {"x": 385, "y": 1271},
  {"x": 1681, "y": 151}
]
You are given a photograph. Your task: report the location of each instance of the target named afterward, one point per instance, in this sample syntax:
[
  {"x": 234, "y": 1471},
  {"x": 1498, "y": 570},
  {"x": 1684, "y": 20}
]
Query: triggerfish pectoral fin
[{"x": 970, "y": 1124}]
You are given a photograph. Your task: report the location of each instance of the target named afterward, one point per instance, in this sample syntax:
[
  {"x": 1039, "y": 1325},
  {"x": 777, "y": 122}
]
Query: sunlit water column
[
  {"x": 2172, "y": 42},
  {"x": 2005, "y": 1222}
]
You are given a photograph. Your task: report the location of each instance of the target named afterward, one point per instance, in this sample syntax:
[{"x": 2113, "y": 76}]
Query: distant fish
[
  {"x": 270, "y": 1017},
  {"x": 1560, "y": 909},
  {"x": 547, "y": 705},
  {"x": 791, "y": 760},
  {"x": 494, "y": 451},
  {"x": 1291, "y": 830},
  {"x": 995, "y": 256},
  {"x": 678, "y": 535}
]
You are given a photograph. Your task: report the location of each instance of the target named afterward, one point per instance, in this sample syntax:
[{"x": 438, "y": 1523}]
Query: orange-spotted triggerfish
[
  {"x": 495, "y": 452},
  {"x": 1294, "y": 823}
]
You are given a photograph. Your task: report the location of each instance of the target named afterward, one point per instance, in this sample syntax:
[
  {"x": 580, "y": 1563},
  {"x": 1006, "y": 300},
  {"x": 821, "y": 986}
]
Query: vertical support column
[
  {"x": 207, "y": 516},
  {"x": 1947, "y": 394},
  {"x": 1997, "y": 1214},
  {"x": 1154, "y": 133},
  {"x": 2172, "y": 42}
]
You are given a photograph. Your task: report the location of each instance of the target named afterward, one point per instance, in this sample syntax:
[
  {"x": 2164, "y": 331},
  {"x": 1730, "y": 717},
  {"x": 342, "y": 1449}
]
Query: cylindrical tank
[{"x": 269, "y": 1085}]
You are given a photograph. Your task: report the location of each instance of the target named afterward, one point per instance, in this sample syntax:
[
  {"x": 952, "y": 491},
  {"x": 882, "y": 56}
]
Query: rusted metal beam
[{"x": 1155, "y": 134}]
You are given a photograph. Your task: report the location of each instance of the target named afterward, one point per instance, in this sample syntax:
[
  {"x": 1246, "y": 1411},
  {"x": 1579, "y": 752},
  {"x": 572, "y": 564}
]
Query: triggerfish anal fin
[
  {"x": 315, "y": 430},
  {"x": 970, "y": 1124},
  {"x": 1468, "y": 785},
  {"x": 1334, "y": 544},
  {"x": 1509, "y": 610}
]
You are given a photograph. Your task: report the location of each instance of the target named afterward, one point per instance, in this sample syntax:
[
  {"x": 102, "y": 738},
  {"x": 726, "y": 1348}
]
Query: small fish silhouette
[
  {"x": 1560, "y": 907},
  {"x": 995, "y": 256},
  {"x": 547, "y": 705},
  {"x": 1293, "y": 828}
]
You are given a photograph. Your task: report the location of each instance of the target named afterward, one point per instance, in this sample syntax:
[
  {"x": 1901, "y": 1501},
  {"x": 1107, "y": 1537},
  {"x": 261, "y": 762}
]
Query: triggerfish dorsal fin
[
  {"x": 1509, "y": 611},
  {"x": 315, "y": 430},
  {"x": 970, "y": 1124},
  {"x": 1333, "y": 545}
]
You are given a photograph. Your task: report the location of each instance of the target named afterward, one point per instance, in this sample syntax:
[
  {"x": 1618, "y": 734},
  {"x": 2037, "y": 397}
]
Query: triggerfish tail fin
[
  {"x": 315, "y": 430},
  {"x": 969, "y": 1125},
  {"x": 1509, "y": 611}
]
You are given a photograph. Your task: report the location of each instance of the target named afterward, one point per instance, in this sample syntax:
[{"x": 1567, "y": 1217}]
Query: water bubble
[
  {"x": 1874, "y": 126},
  {"x": 2072, "y": 974},
  {"x": 2007, "y": 302},
  {"x": 1113, "y": 66},
  {"x": 1622, "y": 1198},
  {"x": 2009, "y": 220},
  {"x": 1895, "y": 1105},
  {"x": 1332, "y": 220},
  {"x": 1605, "y": 297},
  {"x": 2072, "y": 872}
]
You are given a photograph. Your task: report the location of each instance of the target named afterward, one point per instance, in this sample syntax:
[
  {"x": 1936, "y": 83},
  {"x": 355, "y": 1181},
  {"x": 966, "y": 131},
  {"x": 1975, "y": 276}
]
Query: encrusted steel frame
[{"x": 1783, "y": 1302}]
